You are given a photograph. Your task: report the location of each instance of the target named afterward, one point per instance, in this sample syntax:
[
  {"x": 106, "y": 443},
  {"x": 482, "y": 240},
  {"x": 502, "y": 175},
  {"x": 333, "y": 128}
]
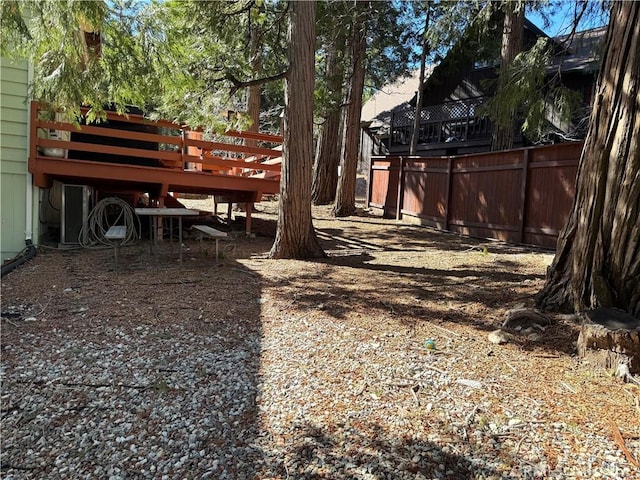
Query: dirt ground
[{"x": 381, "y": 276}]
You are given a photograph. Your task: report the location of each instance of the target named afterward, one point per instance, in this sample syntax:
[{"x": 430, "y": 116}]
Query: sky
[{"x": 561, "y": 20}]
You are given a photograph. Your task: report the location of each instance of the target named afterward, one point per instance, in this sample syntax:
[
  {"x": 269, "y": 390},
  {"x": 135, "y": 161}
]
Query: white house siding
[{"x": 13, "y": 157}]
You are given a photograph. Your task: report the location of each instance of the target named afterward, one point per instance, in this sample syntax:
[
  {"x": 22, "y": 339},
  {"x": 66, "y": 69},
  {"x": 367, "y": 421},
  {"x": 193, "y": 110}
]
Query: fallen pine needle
[
  {"x": 519, "y": 444},
  {"x": 435, "y": 369},
  {"x": 446, "y": 330},
  {"x": 415, "y": 396},
  {"x": 620, "y": 441}
]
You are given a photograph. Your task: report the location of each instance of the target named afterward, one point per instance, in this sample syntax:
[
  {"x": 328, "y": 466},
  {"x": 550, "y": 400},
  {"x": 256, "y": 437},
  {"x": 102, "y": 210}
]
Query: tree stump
[{"x": 611, "y": 339}]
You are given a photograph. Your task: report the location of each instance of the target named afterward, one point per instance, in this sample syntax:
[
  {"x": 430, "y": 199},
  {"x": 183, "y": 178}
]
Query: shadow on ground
[
  {"x": 370, "y": 452},
  {"x": 158, "y": 363},
  {"x": 144, "y": 372}
]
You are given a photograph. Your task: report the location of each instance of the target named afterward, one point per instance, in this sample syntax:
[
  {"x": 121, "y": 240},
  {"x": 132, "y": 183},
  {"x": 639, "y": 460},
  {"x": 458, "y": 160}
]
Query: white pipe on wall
[{"x": 29, "y": 190}]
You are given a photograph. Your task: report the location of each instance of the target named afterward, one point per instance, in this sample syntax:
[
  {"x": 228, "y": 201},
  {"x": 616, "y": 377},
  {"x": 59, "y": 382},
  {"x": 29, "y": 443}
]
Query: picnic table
[{"x": 159, "y": 212}]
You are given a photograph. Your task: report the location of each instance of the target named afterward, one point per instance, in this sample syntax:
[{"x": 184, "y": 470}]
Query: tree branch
[
  {"x": 238, "y": 84},
  {"x": 247, "y": 7}
]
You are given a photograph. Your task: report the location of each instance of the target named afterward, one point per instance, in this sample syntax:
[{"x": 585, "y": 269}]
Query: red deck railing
[{"x": 164, "y": 147}]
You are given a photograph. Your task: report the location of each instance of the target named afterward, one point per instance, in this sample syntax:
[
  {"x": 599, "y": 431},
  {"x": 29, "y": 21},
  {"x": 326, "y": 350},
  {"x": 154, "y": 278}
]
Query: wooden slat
[
  {"x": 489, "y": 226},
  {"x": 490, "y": 168},
  {"x": 110, "y": 149},
  {"x": 135, "y": 118},
  {"x": 110, "y": 132},
  {"x": 231, "y": 163},
  {"x": 228, "y": 147},
  {"x": 542, "y": 231},
  {"x": 426, "y": 170},
  {"x": 264, "y": 137},
  {"x": 555, "y": 163}
]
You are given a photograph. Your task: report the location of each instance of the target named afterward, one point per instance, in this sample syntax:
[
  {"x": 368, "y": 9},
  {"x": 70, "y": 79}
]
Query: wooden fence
[{"x": 521, "y": 196}]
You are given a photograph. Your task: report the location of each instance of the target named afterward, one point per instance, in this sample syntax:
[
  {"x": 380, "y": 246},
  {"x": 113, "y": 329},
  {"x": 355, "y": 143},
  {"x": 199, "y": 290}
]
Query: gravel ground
[{"x": 261, "y": 369}]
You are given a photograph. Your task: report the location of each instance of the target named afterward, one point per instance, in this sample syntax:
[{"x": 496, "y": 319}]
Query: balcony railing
[{"x": 458, "y": 120}]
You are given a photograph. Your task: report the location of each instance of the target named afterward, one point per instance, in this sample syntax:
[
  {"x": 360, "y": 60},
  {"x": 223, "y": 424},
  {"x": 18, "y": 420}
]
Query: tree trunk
[
  {"x": 512, "y": 35},
  {"x": 255, "y": 91},
  {"x": 597, "y": 263},
  {"x": 255, "y": 94},
  {"x": 325, "y": 168},
  {"x": 295, "y": 236},
  {"x": 415, "y": 134},
  {"x": 345, "y": 204},
  {"x": 253, "y": 110}
]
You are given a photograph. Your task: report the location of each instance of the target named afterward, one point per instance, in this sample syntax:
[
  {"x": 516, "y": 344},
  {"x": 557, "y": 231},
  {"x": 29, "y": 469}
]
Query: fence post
[
  {"x": 523, "y": 193},
  {"x": 370, "y": 182},
  {"x": 400, "y": 189},
  {"x": 393, "y": 117},
  {"x": 447, "y": 204},
  {"x": 184, "y": 135}
]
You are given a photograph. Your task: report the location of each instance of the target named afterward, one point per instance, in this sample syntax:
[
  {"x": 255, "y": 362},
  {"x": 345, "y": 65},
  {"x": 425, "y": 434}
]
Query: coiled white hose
[{"x": 93, "y": 232}]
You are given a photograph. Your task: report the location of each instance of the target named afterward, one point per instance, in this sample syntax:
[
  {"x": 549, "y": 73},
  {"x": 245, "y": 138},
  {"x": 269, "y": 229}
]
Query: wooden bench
[
  {"x": 118, "y": 233},
  {"x": 211, "y": 232}
]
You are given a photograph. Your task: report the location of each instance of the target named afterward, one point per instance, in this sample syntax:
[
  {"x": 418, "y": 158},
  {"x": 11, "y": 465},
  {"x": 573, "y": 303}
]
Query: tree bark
[
  {"x": 415, "y": 134},
  {"x": 597, "y": 263},
  {"x": 295, "y": 235},
  {"x": 255, "y": 91},
  {"x": 512, "y": 36},
  {"x": 325, "y": 168},
  {"x": 345, "y": 203},
  {"x": 253, "y": 110}
]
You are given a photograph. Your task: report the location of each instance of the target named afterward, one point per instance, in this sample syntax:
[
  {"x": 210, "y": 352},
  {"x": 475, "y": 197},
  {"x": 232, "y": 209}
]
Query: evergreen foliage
[
  {"x": 83, "y": 53},
  {"x": 190, "y": 61},
  {"x": 209, "y": 62},
  {"x": 184, "y": 60},
  {"x": 527, "y": 88}
]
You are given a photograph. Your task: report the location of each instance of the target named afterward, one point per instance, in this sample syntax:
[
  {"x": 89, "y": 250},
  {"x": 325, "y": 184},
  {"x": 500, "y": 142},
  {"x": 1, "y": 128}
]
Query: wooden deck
[{"x": 132, "y": 154}]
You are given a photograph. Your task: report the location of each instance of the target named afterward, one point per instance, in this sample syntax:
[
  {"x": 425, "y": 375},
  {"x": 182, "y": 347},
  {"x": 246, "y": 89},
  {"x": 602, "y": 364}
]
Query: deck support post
[
  {"x": 249, "y": 209},
  {"x": 159, "y": 231}
]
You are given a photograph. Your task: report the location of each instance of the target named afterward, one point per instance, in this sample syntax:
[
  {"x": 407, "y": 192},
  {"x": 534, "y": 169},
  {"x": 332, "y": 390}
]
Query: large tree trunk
[
  {"x": 325, "y": 168},
  {"x": 597, "y": 263},
  {"x": 295, "y": 236},
  {"x": 512, "y": 35},
  {"x": 345, "y": 204}
]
